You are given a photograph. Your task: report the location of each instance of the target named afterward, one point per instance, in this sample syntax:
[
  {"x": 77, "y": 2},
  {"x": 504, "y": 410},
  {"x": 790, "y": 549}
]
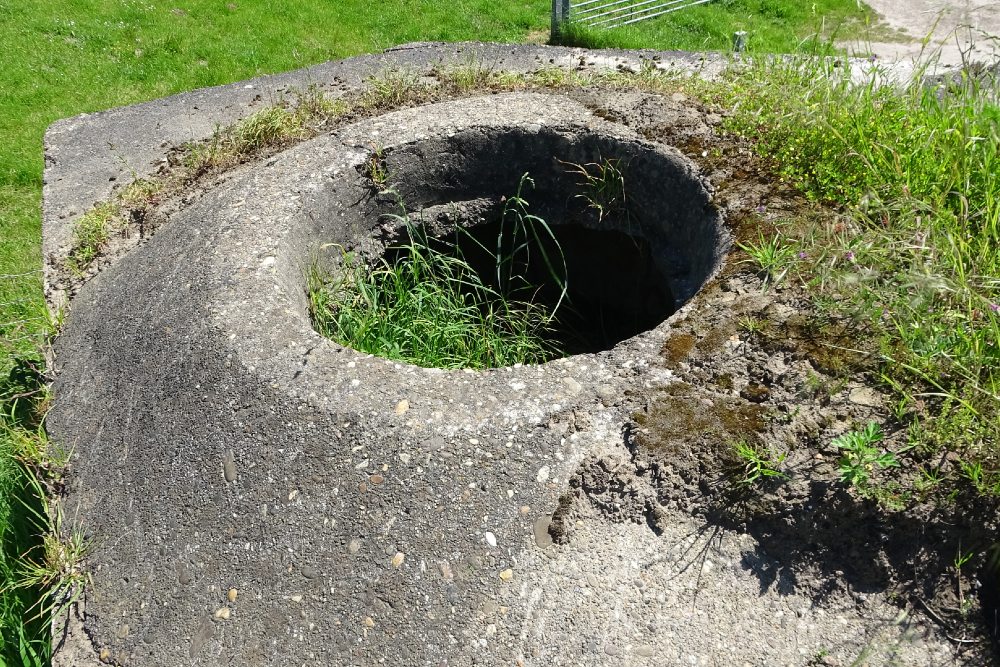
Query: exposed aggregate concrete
[{"x": 371, "y": 512}]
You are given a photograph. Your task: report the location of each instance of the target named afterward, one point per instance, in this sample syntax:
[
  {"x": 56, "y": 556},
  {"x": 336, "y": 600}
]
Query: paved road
[{"x": 960, "y": 29}]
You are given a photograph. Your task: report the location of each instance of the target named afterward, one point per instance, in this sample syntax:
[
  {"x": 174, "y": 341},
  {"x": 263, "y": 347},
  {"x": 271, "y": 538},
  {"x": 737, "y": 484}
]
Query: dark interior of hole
[{"x": 613, "y": 287}]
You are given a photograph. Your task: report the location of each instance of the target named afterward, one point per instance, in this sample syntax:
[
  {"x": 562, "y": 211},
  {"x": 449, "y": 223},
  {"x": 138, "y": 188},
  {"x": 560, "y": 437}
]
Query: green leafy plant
[
  {"x": 860, "y": 455},
  {"x": 756, "y": 464},
  {"x": 985, "y": 482}
]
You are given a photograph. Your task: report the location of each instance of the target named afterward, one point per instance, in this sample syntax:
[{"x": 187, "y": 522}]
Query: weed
[
  {"x": 603, "y": 187},
  {"x": 140, "y": 193},
  {"x": 771, "y": 256},
  {"x": 264, "y": 128},
  {"x": 860, "y": 456},
  {"x": 962, "y": 558},
  {"x": 985, "y": 482},
  {"x": 90, "y": 234},
  {"x": 819, "y": 386},
  {"x": 199, "y": 157},
  {"x": 521, "y": 235},
  {"x": 390, "y": 88},
  {"x": 752, "y": 325},
  {"x": 460, "y": 79},
  {"x": 55, "y": 566},
  {"x": 376, "y": 169},
  {"x": 756, "y": 464},
  {"x": 313, "y": 108},
  {"x": 928, "y": 481}
]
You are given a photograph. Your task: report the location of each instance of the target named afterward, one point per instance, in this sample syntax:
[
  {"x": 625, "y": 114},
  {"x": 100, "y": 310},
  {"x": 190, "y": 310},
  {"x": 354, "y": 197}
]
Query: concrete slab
[{"x": 947, "y": 33}]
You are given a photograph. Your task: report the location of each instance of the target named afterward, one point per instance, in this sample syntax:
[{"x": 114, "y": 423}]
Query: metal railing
[{"x": 613, "y": 13}]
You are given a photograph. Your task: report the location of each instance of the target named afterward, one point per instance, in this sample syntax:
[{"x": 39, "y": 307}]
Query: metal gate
[{"x": 613, "y": 13}]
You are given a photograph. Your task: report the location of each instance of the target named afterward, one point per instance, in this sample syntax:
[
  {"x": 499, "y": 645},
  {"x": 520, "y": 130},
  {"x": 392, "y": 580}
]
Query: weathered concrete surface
[
  {"x": 363, "y": 511},
  {"x": 937, "y": 32},
  {"x": 87, "y": 155}
]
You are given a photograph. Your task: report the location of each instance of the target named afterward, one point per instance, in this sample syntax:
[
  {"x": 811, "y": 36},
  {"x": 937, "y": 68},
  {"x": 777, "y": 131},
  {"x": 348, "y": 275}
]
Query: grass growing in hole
[
  {"x": 430, "y": 308},
  {"x": 603, "y": 187}
]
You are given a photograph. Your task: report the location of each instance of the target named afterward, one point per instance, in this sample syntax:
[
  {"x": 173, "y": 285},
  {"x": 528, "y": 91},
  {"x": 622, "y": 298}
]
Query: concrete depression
[
  {"x": 363, "y": 510},
  {"x": 255, "y": 494}
]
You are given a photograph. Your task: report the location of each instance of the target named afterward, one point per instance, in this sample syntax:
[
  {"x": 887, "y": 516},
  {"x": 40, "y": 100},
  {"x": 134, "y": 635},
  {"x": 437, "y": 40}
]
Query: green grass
[
  {"x": 772, "y": 26},
  {"x": 424, "y": 304},
  {"x": 912, "y": 262},
  {"x": 428, "y": 308},
  {"x": 62, "y": 59},
  {"x": 24, "y": 526}
]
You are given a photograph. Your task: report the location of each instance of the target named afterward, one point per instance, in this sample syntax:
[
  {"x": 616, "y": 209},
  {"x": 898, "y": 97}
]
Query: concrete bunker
[
  {"x": 628, "y": 233},
  {"x": 365, "y": 510}
]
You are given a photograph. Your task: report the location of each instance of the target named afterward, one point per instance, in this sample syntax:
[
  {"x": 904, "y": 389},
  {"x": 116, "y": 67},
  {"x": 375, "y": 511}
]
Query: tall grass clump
[
  {"x": 24, "y": 615},
  {"x": 423, "y": 303},
  {"x": 915, "y": 256}
]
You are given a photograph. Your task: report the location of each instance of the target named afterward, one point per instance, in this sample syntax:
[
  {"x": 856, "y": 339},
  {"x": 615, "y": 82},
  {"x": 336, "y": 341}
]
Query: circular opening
[{"x": 489, "y": 249}]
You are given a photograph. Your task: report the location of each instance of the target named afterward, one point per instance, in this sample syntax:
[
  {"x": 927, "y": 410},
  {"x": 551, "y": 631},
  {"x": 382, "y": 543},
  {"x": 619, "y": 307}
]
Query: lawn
[{"x": 771, "y": 27}]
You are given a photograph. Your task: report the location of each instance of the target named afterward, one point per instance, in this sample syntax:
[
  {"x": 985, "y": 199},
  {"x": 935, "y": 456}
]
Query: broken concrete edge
[
  {"x": 71, "y": 647},
  {"x": 88, "y": 156}
]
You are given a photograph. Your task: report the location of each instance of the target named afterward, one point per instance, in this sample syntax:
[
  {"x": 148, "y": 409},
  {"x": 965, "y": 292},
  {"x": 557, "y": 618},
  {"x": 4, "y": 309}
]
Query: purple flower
[
  {"x": 849, "y": 256},
  {"x": 762, "y": 209},
  {"x": 995, "y": 307},
  {"x": 872, "y": 58},
  {"x": 802, "y": 254}
]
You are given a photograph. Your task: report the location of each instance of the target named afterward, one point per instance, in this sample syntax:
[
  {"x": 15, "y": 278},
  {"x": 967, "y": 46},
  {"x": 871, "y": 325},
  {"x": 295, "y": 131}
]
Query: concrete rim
[{"x": 270, "y": 293}]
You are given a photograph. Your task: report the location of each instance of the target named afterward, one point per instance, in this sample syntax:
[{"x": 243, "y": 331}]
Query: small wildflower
[
  {"x": 849, "y": 256},
  {"x": 761, "y": 209},
  {"x": 803, "y": 254},
  {"x": 995, "y": 307},
  {"x": 872, "y": 58}
]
